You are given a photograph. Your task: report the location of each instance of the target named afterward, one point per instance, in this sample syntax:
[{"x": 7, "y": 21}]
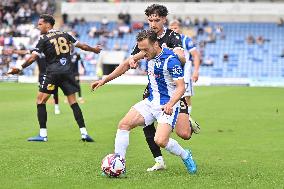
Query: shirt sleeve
[
  {"x": 72, "y": 39},
  {"x": 175, "y": 41},
  {"x": 175, "y": 68},
  {"x": 39, "y": 47},
  {"x": 189, "y": 44},
  {"x": 135, "y": 50}
]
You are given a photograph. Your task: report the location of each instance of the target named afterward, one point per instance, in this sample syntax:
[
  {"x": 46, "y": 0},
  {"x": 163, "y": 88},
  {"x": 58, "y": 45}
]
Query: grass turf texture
[{"x": 241, "y": 144}]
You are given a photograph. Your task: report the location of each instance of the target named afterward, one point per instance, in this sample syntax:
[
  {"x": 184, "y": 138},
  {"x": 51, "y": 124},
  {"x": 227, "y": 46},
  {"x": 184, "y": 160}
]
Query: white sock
[
  {"x": 56, "y": 106},
  {"x": 174, "y": 148},
  {"x": 121, "y": 142},
  {"x": 43, "y": 132},
  {"x": 160, "y": 160},
  {"x": 189, "y": 110},
  {"x": 83, "y": 131}
]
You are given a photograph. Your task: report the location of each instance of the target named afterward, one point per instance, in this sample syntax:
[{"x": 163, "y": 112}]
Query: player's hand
[
  {"x": 168, "y": 109},
  {"x": 195, "y": 76},
  {"x": 95, "y": 85},
  {"x": 132, "y": 63},
  {"x": 97, "y": 49},
  {"x": 14, "y": 71}
]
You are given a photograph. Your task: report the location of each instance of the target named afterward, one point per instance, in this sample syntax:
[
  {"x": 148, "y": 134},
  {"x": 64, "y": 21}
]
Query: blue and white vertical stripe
[{"x": 162, "y": 71}]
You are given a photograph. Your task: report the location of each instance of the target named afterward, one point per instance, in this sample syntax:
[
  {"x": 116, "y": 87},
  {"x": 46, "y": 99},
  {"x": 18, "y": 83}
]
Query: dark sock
[
  {"x": 79, "y": 92},
  {"x": 42, "y": 115},
  {"x": 55, "y": 97},
  {"x": 149, "y": 133},
  {"x": 78, "y": 115}
]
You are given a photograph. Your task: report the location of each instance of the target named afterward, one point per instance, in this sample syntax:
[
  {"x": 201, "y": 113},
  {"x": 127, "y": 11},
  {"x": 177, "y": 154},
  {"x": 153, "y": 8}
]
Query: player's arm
[
  {"x": 29, "y": 61},
  {"x": 21, "y": 52},
  {"x": 176, "y": 72},
  {"x": 121, "y": 69},
  {"x": 176, "y": 44},
  {"x": 196, "y": 62},
  {"x": 180, "y": 89},
  {"x": 97, "y": 49},
  {"x": 180, "y": 53}
]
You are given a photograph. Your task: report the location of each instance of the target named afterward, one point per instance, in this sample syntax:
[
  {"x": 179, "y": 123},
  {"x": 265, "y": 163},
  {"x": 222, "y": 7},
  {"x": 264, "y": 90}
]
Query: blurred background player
[
  {"x": 56, "y": 47},
  {"x": 77, "y": 61},
  {"x": 192, "y": 56},
  {"x": 41, "y": 62}
]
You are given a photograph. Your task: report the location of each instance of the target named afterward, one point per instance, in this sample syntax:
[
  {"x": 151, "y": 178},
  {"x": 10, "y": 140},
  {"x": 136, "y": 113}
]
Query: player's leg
[
  {"x": 70, "y": 87},
  {"x": 194, "y": 125},
  {"x": 80, "y": 98},
  {"x": 183, "y": 125},
  {"x": 165, "y": 125},
  {"x": 45, "y": 89},
  {"x": 149, "y": 133},
  {"x": 132, "y": 119},
  {"x": 56, "y": 101},
  {"x": 187, "y": 95}
]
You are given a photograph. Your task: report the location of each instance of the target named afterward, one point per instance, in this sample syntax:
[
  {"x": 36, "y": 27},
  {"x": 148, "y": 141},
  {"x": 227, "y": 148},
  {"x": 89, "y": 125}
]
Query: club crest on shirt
[
  {"x": 63, "y": 61},
  {"x": 158, "y": 63}
]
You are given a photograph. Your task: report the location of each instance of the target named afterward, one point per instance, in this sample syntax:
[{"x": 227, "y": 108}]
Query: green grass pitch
[{"x": 241, "y": 144}]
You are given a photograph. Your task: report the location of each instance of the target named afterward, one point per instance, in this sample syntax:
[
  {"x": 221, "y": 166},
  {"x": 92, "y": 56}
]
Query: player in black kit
[
  {"x": 55, "y": 45},
  {"x": 156, "y": 15},
  {"x": 76, "y": 62}
]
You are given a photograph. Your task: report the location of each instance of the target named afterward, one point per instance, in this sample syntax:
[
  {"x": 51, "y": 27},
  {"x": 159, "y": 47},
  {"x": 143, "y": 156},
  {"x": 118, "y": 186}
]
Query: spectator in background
[
  {"x": 187, "y": 22},
  {"x": 225, "y": 57},
  {"x": 124, "y": 17},
  {"x": 65, "y": 18},
  {"x": 208, "y": 61},
  {"x": 260, "y": 40},
  {"x": 282, "y": 55},
  {"x": 205, "y": 22},
  {"x": 250, "y": 40},
  {"x": 280, "y": 22},
  {"x": 196, "y": 22}
]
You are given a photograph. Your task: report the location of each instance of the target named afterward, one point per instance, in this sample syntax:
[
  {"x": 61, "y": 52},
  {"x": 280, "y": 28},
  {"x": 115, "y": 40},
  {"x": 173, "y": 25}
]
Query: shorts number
[{"x": 61, "y": 45}]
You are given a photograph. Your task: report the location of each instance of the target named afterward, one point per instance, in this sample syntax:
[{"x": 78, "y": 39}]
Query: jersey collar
[
  {"x": 159, "y": 55},
  {"x": 164, "y": 32},
  {"x": 52, "y": 30}
]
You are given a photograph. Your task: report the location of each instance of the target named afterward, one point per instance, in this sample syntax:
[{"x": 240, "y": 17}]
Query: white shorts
[
  {"x": 151, "y": 113},
  {"x": 188, "y": 89},
  {"x": 188, "y": 80}
]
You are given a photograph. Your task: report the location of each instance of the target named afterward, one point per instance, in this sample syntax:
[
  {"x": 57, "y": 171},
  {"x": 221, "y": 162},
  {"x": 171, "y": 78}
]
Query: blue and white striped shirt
[{"x": 162, "y": 71}]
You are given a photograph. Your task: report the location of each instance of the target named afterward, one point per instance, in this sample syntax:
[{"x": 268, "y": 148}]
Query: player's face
[
  {"x": 42, "y": 26},
  {"x": 175, "y": 27},
  {"x": 148, "y": 48},
  {"x": 156, "y": 23}
]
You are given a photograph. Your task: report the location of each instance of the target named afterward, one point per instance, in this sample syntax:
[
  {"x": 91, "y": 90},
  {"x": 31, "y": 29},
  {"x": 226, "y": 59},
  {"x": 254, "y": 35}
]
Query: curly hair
[
  {"x": 151, "y": 35},
  {"x": 157, "y": 9}
]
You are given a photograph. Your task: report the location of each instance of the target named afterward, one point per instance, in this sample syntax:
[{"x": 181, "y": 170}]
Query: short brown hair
[{"x": 151, "y": 35}]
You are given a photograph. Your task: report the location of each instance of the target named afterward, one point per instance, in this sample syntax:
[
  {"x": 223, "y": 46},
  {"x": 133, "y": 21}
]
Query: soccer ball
[{"x": 113, "y": 165}]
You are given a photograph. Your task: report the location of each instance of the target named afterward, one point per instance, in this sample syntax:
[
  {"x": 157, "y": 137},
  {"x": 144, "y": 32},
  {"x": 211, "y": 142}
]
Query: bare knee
[
  {"x": 41, "y": 99},
  {"x": 185, "y": 134},
  {"x": 124, "y": 125},
  {"x": 160, "y": 141}
]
